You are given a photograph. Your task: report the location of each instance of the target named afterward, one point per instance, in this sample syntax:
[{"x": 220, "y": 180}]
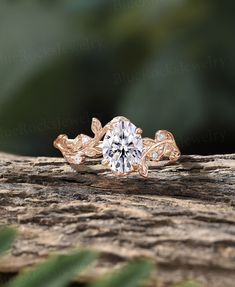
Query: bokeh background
[{"x": 165, "y": 64}]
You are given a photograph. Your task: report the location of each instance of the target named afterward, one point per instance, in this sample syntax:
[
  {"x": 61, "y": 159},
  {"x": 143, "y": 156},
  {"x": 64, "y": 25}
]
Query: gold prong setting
[
  {"x": 105, "y": 162},
  {"x": 139, "y": 131}
]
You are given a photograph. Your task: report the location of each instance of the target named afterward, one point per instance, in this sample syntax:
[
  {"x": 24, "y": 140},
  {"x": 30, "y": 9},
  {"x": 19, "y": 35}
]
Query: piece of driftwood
[{"x": 182, "y": 216}]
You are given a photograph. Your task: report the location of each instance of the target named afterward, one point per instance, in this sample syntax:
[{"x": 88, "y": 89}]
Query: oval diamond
[{"x": 122, "y": 147}]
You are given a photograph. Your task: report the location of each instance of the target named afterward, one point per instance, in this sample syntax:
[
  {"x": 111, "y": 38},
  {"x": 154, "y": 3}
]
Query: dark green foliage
[
  {"x": 7, "y": 236},
  {"x": 130, "y": 275},
  {"x": 57, "y": 271}
]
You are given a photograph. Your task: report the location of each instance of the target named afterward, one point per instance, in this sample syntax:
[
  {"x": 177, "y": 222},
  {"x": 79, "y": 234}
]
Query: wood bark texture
[{"x": 182, "y": 216}]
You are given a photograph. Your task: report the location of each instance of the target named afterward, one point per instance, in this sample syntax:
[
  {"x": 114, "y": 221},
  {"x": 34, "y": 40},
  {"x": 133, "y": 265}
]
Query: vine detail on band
[{"x": 75, "y": 151}]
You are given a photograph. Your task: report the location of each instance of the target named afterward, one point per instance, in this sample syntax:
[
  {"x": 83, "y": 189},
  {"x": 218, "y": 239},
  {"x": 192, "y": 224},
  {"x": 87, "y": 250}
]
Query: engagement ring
[{"x": 121, "y": 146}]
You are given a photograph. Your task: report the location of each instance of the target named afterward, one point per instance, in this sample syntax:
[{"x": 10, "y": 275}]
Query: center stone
[{"x": 122, "y": 147}]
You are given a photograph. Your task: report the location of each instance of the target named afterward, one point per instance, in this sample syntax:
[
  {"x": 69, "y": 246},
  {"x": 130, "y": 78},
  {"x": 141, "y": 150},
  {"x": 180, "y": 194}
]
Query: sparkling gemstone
[
  {"x": 85, "y": 139},
  {"x": 154, "y": 156},
  {"x": 161, "y": 137},
  {"x": 78, "y": 159},
  {"x": 122, "y": 147}
]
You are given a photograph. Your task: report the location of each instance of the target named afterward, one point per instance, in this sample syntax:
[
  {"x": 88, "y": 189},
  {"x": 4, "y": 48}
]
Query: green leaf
[
  {"x": 57, "y": 271},
  {"x": 7, "y": 236},
  {"x": 131, "y": 275}
]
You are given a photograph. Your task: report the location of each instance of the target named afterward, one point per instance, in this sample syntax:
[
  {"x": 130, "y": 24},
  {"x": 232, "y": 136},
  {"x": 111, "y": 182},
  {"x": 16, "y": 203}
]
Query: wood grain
[{"x": 182, "y": 216}]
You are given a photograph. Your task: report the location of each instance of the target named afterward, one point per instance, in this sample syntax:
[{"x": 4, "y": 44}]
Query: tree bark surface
[{"x": 182, "y": 216}]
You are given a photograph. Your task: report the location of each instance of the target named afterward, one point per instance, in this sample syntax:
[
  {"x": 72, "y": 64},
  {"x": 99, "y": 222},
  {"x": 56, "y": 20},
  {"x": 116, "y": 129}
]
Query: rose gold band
[{"x": 82, "y": 147}]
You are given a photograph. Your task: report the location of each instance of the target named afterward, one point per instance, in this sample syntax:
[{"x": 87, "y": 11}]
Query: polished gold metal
[{"x": 76, "y": 151}]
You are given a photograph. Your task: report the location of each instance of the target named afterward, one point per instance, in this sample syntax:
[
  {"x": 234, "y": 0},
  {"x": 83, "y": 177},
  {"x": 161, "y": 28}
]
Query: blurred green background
[{"x": 165, "y": 64}]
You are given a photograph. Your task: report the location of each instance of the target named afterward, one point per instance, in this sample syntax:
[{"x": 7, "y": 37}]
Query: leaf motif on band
[
  {"x": 143, "y": 169},
  {"x": 96, "y": 126},
  {"x": 91, "y": 152},
  {"x": 175, "y": 154},
  {"x": 148, "y": 141},
  {"x": 77, "y": 142},
  {"x": 163, "y": 135},
  {"x": 67, "y": 146}
]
